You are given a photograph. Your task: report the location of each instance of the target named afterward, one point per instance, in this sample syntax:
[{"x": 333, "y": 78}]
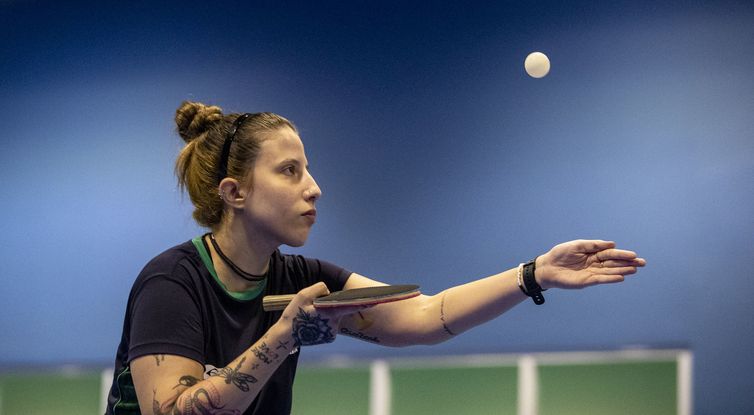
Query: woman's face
[{"x": 280, "y": 203}]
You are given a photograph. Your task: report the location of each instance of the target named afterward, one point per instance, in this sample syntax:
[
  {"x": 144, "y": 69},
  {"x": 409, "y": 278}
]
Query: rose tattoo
[{"x": 311, "y": 329}]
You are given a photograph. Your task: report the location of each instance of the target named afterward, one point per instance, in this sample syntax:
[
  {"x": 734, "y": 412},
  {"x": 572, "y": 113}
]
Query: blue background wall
[{"x": 441, "y": 161}]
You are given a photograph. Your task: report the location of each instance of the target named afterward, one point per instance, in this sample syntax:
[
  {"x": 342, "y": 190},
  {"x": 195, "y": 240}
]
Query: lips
[{"x": 310, "y": 214}]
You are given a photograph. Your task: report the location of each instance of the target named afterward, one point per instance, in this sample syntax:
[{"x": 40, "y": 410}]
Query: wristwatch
[{"x": 533, "y": 289}]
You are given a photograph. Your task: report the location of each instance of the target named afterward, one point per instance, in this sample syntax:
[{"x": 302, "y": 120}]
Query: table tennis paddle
[{"x": 346, "y": 298}]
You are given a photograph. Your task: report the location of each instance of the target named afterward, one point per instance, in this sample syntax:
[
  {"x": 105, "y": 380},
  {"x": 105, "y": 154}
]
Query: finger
[
  {"x": 614, "y": 263},
  {"x": 356, "y": 308},
  {"x": 618, "y": 271},
  {"x": 347, "y": 309},
  {"x": 604, "y": 279},
  {"x": 315, "y": 291},
  {"x": 594, "y": 245},
  {"x": 338, "y": 312},
  {"x": 620, "y": 254}
]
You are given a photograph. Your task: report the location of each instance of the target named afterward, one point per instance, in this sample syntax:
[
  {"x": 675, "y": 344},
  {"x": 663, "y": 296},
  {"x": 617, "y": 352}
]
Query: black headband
[{"x": 223, "y": 171}]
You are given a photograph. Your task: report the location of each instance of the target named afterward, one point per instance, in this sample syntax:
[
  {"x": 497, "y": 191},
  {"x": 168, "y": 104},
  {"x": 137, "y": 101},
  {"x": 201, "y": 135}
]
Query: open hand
[{"x": 582, "y": 263}]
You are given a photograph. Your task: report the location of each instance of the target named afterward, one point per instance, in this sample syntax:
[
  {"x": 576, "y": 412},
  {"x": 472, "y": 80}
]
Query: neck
[{"x": 246, "y": 252}]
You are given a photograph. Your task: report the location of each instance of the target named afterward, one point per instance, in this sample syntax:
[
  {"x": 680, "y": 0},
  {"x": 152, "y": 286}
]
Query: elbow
[
  {"x": 424, "y": 334},
  {"x": 429, "y": 339},
  {"x": 406, "y": 342},
  {"x": 168, "y": 406},
  {"x": 437, "y": 340},
  {"x": 434, "y": 322},
  {"x": 196, "y": 401},
  {"x": 418, "y": 341},
  {"x": 436, "y": 336},
  {"x": 421, "y": 324}
]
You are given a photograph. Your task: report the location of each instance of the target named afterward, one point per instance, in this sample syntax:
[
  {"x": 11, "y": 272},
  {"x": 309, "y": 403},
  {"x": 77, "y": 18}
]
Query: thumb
[{"x": 315, "y": 291}]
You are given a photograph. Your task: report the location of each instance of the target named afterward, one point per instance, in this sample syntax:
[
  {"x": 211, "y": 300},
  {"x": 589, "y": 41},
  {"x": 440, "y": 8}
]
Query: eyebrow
[{"x": 291, "y": 160}]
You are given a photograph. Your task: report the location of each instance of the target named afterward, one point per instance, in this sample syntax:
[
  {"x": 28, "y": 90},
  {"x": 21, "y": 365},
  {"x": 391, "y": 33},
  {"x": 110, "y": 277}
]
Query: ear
[{"x": 232, "y": 193}]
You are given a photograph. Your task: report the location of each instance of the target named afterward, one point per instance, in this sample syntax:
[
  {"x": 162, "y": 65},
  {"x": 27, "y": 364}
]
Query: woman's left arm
[{"x": 433, "y": 319}]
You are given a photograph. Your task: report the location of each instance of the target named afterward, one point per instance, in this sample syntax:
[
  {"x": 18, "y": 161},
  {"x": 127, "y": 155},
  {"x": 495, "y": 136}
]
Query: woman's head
[{"x": 205, "y": 129}]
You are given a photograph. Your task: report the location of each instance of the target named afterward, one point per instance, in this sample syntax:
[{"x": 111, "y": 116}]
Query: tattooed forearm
[
  {"x": 359, "y": 335},
  {"x": 240, "y": 379},
  {"x": 311, "y": 329},
  {"x": 260, "y": 354},
  {"x": 442, "y": 316},
  {"x": 268, "y": 351},
  {"x": 265, "y": 353}
]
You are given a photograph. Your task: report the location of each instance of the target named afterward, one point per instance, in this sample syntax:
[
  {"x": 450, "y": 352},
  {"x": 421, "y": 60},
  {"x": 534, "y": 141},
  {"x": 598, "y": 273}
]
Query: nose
[{"x": 312, "y": 192}]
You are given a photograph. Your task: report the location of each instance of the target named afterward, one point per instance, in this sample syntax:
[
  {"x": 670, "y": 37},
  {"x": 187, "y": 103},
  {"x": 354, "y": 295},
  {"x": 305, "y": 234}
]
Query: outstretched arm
[{"x": 433, "y": 319}]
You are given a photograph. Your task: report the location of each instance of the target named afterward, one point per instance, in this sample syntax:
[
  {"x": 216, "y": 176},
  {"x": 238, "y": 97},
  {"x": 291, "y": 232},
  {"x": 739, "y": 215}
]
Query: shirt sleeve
[
  {"x": 166, "y": 319},
  {"x": 333, "y": 276}
]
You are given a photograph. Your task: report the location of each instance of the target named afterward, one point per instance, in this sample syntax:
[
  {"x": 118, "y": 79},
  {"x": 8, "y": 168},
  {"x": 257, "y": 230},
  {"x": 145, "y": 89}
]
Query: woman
[{"x": 195, "y": 338}]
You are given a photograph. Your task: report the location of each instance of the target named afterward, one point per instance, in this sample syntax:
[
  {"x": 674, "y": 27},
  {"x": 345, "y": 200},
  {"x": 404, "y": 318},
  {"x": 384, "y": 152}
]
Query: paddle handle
[{"x": 276, "y": 302}]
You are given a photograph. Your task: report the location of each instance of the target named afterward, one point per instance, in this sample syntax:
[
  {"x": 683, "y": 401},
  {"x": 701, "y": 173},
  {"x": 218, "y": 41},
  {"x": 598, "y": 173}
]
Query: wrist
[
  {"x": 541, "y": 271},
  {"x": 530, "y": 285},
  {"x": 282, "y": 330}
]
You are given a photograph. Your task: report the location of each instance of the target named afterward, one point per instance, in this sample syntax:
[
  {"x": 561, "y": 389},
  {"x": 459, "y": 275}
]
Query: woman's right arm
[{"x": 170, "y": 384}]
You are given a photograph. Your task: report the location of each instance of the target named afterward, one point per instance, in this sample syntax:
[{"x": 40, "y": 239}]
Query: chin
[{"x": 297, "y": 242}]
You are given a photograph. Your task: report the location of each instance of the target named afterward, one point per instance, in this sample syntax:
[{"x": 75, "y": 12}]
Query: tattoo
[
  {"x": 205, "y": 402},
  {"x": 192, "y": 404},
  {"x": 240, "y": 379},
  {"x": 266, "y": 349},
  {"x": 156, "y": 407},
  {"x": 187, "y": 381},
  {"x": 259, "y": 353},
  {"x": 363, "y": 323},
  {"x": 161, "y": 409},
  {"x": 254, "y": 366},
  {"x": 311, "y": 329},
  {"x": 159, "y": 358},
  {"x": 442, "y": 316},
  {"x": 359, "y": 335},
  {"x": 282, "y": 345}
]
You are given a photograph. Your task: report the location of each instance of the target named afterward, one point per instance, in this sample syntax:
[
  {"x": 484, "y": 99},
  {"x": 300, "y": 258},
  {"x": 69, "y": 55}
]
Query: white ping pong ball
[{"x": 537, "y": 64}]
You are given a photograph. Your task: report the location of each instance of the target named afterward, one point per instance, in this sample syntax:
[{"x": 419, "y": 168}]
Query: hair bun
[{"x": 194, "y": 119}]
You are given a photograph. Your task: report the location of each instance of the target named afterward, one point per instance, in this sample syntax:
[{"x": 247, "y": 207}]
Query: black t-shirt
[{"x": 178, "y": 306}]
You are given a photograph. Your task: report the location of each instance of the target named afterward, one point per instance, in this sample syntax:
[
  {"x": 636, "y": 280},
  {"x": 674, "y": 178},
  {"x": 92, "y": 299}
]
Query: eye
[{"x": 289, "y": 170}]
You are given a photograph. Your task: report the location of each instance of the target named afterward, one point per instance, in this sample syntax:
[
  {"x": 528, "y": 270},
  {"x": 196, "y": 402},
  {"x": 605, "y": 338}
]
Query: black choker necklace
[{"x": 241, "y": 273}]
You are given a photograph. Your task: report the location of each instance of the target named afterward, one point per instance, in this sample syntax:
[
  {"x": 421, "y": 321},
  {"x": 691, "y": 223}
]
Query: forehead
[{"x": 280, "y": 145}]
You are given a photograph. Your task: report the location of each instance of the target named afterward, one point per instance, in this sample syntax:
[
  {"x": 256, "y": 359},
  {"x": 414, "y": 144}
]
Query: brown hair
[{"x": 205, "y": 128}]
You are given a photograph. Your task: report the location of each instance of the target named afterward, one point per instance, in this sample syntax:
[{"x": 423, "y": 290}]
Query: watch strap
[{"x": 532, "y": 289}]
